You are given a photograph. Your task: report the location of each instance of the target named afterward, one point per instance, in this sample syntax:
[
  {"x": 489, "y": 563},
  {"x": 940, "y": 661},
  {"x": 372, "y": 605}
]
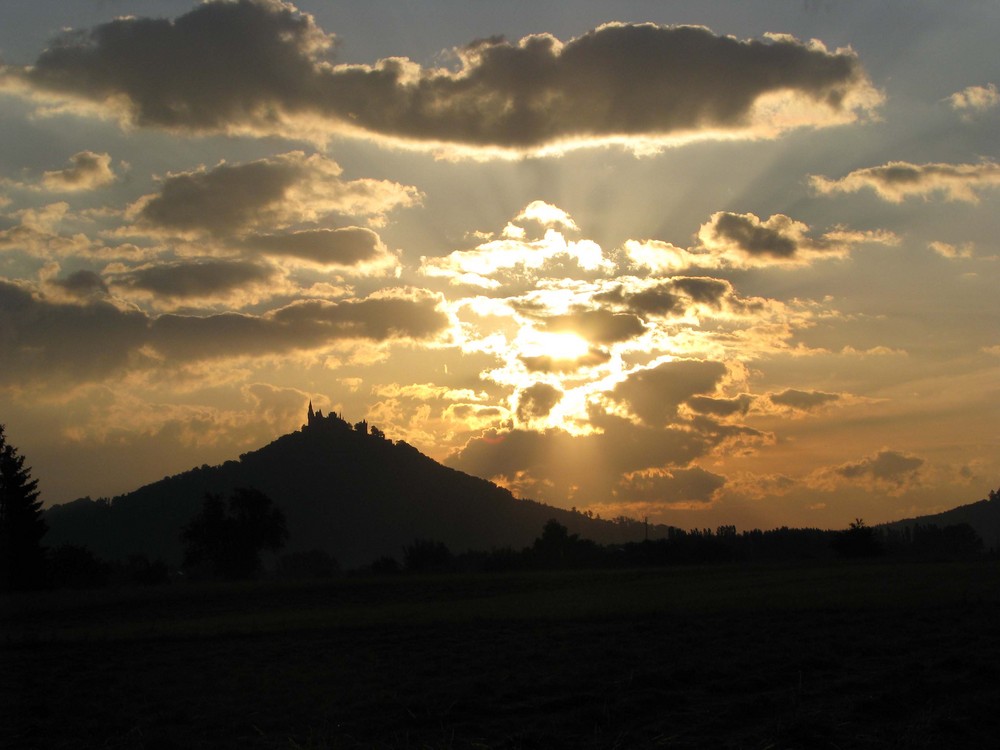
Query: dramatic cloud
[
  {"x": 887, "y": 471},
  {"x": 655, "y": 394},
  {"x": 721, "y": 407},
  {"x": 547, "y": 215},
  {"x": 803, "y": 400},
  {"x": 86, "y": 171},
  {"x": 659, "y": 299},
  {"x": 973, "y": 100},
  {"x": 574, "y": 352},
  {"x": 775, "y": 238},
  {"x": 43, "y": 339},
  {"x": 745, "y": 240},
  {"x": 899, "y": 180},
  {"x": 210, "y": 217},
  {"x": 556, "y": 466},
  {"x": 302, "y": 325},
  {"x": 273, "y": 193},
  {"x": 731, "y": 240},
  {"x": 194, "y": 280},
  {"x": 885, "y": 466},
  {"x": 671, "y": 297},
  {"x": 663, "y": 257},
  {"x": 599, "y": 326},
  {"x": 345, "y": 247},
  {"x": 537, "y": 401},
  {"x": 760, "y": 486},
  {"x": 701, "y": 290},
  {"x": 260, "y": 66},
  {"x": 516, "y": 259},
  {"x": 666, "y": 489},
  {"x": 81, "y": 284},
  {"x": 563, "y": 364}
]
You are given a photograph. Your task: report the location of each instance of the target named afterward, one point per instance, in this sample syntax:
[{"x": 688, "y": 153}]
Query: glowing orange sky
[{"x": 704, "y": 262}]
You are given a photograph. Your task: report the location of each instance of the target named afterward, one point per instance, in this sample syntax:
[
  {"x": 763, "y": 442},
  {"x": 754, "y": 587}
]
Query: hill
[
  {"x": 982, "y": 516},
  {"x": 346, "y": 490}
]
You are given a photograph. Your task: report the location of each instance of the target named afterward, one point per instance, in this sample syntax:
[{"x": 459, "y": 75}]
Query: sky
[{"x": 698, "y": 262}]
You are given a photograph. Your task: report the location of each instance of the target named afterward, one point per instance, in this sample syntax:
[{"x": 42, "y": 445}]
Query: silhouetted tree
[
  {"x": 426, "y": 556},
  {"x": 557, "y": 548},
  {"x": 552, "y": 547},
  {"x": 859, "y": 540},
  {"x": 228, "y": 544},
  {"x": 22, "y": 525},
  {"x": 74, "y": 566}
]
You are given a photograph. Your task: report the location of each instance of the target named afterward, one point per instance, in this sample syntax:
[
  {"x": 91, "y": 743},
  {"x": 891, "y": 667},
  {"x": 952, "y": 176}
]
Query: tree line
[{"x": 557, "y": 549}]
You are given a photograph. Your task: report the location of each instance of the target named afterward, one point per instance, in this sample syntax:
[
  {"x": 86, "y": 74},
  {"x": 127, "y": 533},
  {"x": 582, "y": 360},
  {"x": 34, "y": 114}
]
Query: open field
[{"x": 878, "y": 655}]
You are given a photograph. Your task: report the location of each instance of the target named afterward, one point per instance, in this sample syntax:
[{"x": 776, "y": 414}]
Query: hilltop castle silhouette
[{"x": 315, "y": 420}]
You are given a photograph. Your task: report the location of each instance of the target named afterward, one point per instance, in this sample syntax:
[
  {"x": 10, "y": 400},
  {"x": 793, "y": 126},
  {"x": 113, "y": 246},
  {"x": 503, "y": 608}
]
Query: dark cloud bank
[
  {"x": 258, "y": 65},
  {"x": 198, "y": 279},
  {"x": 347, "y": 246},
  {"x": 45, "y": 339}
]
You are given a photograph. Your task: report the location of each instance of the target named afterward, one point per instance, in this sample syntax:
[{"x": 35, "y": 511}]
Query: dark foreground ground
[{"x": 860, "y": 656}]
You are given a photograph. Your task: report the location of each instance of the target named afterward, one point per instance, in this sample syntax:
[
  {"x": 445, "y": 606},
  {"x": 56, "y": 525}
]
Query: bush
[
  {"x": 72, "y": 566},
  {"x": 426, "y": 556}
]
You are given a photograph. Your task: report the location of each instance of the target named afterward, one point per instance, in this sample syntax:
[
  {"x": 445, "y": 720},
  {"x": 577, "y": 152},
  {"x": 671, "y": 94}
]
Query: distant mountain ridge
[
  {"x": 349, "y": 491},
  {"x": 344, "y": 489},
  {"x": 983, "y": 516}
]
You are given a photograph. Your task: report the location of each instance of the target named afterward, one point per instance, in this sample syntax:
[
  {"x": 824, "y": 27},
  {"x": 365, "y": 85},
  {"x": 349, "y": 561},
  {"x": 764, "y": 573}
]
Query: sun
[{"x": 560, "y": 346}]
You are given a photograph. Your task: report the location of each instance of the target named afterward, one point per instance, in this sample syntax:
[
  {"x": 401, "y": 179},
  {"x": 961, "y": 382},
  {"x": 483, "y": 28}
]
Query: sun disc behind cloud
[{"x": 560, "y": 346}]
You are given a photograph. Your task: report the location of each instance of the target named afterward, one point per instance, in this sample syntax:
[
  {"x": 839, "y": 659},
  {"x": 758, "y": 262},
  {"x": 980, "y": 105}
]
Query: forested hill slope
[
  {"x": 346, "y": 490},
  {"x": 983, "y": 517}
]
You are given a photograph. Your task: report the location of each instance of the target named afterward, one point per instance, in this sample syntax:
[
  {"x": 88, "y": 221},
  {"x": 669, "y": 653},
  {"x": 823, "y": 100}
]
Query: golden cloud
[
  {"x": 898, "y": 180},
  {"x": 87, "y": 170},
  {"x": 891, "y": 471},
  {"x": 348, "y": 249},
  {"x": 973, "y": 100},
  {"x": 744, "y": 240},
  {"x": 272, "y": 193},
  {"x": 669, "y": 489}
]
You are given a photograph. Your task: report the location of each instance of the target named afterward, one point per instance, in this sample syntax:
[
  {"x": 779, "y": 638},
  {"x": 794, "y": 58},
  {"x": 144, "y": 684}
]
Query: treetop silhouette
[
  {"x": 22, "y": 523},
  {"x": 228, "y": 544}
]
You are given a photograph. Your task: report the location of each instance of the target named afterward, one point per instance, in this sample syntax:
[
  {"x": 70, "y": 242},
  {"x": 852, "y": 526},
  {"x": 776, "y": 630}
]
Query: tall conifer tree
[{"x": 22, "y": 525}]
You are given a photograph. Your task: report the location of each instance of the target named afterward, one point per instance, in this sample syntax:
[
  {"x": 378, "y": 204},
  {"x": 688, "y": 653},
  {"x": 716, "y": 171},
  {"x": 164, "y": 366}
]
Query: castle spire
[{"x": 311, "y": 414}]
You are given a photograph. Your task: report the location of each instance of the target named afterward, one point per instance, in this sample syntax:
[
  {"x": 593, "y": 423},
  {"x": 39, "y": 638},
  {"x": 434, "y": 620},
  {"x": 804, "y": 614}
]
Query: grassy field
[{"x": 837, "y": 656}]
